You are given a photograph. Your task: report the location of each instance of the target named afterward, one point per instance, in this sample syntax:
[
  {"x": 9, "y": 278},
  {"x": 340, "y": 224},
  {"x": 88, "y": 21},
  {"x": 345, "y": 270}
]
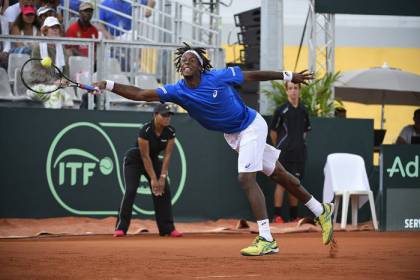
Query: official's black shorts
[{"x": 295, "y": 168}]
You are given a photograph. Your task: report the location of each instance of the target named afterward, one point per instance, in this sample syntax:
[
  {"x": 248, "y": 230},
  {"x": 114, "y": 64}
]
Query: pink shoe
[
  {"x": 175, "y": 233},
  {"x": 119, "y": 233}
]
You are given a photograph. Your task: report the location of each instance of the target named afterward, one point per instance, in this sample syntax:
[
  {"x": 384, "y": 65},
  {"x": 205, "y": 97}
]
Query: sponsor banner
[{"x": 401, "y": 184}]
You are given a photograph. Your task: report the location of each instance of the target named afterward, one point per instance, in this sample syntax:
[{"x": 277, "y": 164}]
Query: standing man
[
  {"x": 288, "y": 130},
  {"x": 154, "y": 137},
  {"x": 209, "y": 97}
]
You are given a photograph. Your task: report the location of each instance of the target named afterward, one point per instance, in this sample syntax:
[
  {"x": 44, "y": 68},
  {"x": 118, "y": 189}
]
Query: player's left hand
[{"x": 302, "y": 77}]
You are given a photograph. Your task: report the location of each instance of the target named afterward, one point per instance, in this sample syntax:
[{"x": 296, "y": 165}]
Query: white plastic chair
[
  {"x": 5, "y": 91},
  {"x": 18, "y": 86},
  {"x": 112, "y": 66},
  {"x": 146, "y": 81},
  {"x": 345, "y": 176},
  {"x": 78, "y": 65},
  {"x": 16, "y": 61}
]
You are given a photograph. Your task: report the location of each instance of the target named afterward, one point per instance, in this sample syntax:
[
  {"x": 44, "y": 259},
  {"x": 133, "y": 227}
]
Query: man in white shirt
[{"x": 410, "y": 130}]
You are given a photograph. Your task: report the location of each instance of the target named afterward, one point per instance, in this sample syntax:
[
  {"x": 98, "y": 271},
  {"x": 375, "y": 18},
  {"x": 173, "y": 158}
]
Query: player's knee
[
  {"x": 246, "y": 180},
  {"x": 284, "y": 178}
]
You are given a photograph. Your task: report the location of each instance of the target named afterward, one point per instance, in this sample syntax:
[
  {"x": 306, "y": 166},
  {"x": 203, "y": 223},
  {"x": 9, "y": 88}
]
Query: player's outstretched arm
[
  {"x": 298, "y": 77},
  {"x": 129, "y": 92}
]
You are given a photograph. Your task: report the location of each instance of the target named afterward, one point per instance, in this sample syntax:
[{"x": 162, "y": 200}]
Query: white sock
[
  {"x": 315, "y": 206},
  {"x": 264, "y": 229}
]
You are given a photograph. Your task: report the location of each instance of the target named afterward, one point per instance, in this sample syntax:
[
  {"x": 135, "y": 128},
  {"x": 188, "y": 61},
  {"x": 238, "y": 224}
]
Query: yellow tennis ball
[{"x": 46, "y": 62}]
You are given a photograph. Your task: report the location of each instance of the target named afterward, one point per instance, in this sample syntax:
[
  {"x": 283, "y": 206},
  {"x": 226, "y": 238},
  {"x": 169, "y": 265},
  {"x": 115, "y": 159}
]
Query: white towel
[{"x": 59, "y": 56}]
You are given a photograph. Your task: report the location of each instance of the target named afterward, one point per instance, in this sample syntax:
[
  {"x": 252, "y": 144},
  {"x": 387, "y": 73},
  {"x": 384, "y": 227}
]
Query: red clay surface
[{"x": 362, "y": 255}]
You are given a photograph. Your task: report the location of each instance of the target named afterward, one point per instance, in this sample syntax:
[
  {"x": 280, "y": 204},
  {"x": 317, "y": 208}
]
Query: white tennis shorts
[{"x": 254, "y": 153}]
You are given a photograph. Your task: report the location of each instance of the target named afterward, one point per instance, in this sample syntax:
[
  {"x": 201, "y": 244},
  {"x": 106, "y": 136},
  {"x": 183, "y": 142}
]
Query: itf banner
[{"x": 68, "y": 162}]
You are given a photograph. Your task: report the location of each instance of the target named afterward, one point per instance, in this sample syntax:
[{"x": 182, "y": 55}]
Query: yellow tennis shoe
[
  {"x": 325, "y": 221},
  {"x": 260, "y": 247}
]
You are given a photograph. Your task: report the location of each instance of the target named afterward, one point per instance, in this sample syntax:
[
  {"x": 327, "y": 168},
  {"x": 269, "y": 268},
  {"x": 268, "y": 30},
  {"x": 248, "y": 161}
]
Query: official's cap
[{"x": 163, "y": 109}]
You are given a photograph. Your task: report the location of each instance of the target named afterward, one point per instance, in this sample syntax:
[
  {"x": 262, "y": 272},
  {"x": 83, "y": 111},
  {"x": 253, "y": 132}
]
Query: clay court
[{"x": 362, "y": 255}]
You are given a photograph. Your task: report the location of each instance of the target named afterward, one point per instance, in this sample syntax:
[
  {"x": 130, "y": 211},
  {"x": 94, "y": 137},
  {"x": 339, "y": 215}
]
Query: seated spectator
[
  {"x": 410, "y": 130},
  {"x": 53, "y": 4},
  {"x": 117, "y": 20},
  {"x": 82, "y": 29},
  {"x": 4, "y": 4},
  {"x": 25, "y": 24},
  {"x": 13, "y": 11},
  {"x": 4, "y": 30},
  {"x": 40, "y": 75},
  {"x": 44, "y": 12}
]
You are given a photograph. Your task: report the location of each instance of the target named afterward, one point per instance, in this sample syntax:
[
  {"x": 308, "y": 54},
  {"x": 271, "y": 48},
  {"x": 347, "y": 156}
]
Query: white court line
[{"x": 226, "y": 276}]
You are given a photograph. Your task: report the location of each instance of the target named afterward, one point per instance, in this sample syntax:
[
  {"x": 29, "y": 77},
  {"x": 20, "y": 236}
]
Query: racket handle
[{"x": 87, "y": 87}]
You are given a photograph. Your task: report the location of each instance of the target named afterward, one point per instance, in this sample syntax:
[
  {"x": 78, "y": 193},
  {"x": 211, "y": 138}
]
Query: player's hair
[{"x": 201, "y": 52}]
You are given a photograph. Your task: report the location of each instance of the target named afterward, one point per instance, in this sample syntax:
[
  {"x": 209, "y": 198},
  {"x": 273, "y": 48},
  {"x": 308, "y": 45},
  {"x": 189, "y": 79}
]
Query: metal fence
[
  {"x": 144, "y": 64},
  {"x": 169, "y": 22}
]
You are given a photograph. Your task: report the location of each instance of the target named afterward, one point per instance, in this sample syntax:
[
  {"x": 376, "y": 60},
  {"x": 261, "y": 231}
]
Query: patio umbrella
[{"x": 379, "y": 85}]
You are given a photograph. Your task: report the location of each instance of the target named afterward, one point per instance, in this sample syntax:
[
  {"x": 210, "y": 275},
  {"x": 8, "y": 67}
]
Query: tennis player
[{"x": 209, "y": 97}]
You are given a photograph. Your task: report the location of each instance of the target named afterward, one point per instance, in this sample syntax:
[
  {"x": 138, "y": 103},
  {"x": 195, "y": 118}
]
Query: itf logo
[
  {"x": 84, "y": 168},
  {"x": 84, "y": 173}
]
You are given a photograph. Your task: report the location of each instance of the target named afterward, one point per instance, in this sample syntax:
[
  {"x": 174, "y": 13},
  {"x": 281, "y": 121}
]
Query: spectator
[
  {"x": 53, "y": 4},
  {"x": 411, "y": 130},
  {"x": 288, "y": 131},
  {"x": 45, "y": 12},
  {"x": 82, "y": 29},
  {"x": 40, "y": 75},
  {"x": 4, "y": 30},
  {"x": 25, "y": 24},
  {"x": 117, "y": 20},
  {"x": 12, "y": 12},
  {"x": 4, "y": 4}
]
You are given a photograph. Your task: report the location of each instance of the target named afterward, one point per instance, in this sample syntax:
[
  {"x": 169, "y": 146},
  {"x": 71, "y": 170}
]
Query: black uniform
[
  {"x": 134, "y": 168},
  {"x": 291, "y": 123}
]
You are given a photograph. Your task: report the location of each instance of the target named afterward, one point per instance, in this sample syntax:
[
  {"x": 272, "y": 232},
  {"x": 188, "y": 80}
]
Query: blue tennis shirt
[{"x": 214, "y": 103}]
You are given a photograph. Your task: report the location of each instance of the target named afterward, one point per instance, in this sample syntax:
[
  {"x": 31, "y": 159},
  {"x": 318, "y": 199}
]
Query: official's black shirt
[
  {"x": 291, "y": 123},
  {"x": 156, "y": 143}
]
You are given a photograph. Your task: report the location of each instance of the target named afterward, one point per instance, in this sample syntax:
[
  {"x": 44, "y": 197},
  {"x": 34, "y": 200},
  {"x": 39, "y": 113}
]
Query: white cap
[
  {"x": 50, "y": 21},
  {"x": 43, "y": 10}
]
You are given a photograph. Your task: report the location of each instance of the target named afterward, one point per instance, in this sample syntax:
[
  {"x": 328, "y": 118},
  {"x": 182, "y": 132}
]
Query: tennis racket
[{"x": 47, "y": 79}]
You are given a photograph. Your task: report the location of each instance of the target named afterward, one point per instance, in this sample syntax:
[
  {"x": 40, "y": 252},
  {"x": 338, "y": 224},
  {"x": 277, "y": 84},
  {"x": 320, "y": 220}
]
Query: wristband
[
  {"x": 109, "y": 85},
  {"x": 287, "y": 75}
]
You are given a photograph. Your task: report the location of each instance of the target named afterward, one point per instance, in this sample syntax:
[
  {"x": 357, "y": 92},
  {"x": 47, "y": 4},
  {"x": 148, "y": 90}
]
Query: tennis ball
[{"x": 46, "y": 62}]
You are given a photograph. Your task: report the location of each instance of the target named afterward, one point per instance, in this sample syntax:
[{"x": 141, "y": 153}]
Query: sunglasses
[{"x": 166, "y": 115}]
